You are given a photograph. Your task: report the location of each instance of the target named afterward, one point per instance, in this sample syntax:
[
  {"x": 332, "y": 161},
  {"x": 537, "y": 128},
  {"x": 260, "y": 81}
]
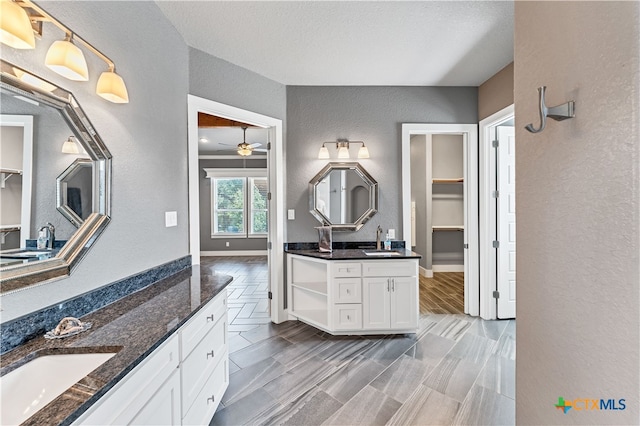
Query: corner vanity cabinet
[
  {"x": 180, "y": 382},
  {"x": 360, "y": 296}
]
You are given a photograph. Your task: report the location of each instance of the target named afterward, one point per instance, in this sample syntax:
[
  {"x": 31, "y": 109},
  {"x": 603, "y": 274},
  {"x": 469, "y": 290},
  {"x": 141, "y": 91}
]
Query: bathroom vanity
[{"x": 354, "y": 291}]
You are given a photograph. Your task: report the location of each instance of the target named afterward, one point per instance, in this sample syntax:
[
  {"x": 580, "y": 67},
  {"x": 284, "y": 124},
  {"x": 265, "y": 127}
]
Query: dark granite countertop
[
  {"x": 358, "y": 254},
  {"x": 133, "y": 326}
]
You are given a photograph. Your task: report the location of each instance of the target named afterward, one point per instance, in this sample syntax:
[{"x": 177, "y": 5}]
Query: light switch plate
[
  {"x": 392, "y": 234},
  {"x": 291, "y": 214},
  {"x": 170, "y": 219}
]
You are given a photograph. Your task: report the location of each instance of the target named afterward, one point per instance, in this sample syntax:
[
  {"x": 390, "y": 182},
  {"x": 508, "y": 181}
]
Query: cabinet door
[
  {"x": 375, "y": 303},
  {"x": 404, "y": 302},
  {"x": 163, "y": 408}
]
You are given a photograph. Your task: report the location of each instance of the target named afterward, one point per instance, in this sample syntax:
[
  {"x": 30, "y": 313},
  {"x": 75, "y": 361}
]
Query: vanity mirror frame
[
  {"x": 366, "y": 178},
  {"x": 15, "y": 277},
  {"x": 62, "y": 191}
]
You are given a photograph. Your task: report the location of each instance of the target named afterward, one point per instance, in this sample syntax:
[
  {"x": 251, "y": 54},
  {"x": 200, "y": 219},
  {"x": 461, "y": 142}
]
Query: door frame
[
  {"x": 487, "y": 182},
  {"x": 469, "y": 133},
  {"x": 26, "y": 122},
  {"x": 275, "y": 166}
]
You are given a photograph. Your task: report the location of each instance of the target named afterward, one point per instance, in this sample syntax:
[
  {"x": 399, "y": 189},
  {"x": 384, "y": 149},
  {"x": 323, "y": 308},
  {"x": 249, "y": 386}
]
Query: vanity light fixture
[
  {"x": 342, "y": 145},
  {"x": 15, "y": 26},
  {"x": 70, "y": 146},
  {"x": 67, "y": 60},
  {"x": 63, "y": 57}
]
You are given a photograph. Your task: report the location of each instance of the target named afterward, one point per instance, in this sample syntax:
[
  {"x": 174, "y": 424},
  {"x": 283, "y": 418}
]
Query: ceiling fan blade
[{"x": 255, "y": 145}]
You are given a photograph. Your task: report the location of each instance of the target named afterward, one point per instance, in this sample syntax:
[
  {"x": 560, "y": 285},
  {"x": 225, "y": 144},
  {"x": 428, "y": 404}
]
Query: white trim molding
[
  {"x": 276, "y": 170},
  {"x": 226, "y": 253}
]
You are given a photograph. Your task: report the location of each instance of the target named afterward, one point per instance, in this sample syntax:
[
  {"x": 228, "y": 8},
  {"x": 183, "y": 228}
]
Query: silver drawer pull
[
  {"x": 210, "y": 318},
  {"x": 212, "y": 398},
  {"x": 210, "y": 354}
]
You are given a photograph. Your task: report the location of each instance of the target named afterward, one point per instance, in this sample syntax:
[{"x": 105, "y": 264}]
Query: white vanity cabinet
[
  {"x": 354, "y": 296},
  {"x": 181, "y": 382}
]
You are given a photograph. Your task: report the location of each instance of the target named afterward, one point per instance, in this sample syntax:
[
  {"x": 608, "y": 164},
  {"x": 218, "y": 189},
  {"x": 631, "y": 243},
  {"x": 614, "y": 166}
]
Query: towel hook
[{"x": 558, "y": 113}]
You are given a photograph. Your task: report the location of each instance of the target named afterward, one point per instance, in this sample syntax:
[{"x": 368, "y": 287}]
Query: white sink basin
[
  {"x": 382, "y": 253},
  {"x": 33, "y": 385}
]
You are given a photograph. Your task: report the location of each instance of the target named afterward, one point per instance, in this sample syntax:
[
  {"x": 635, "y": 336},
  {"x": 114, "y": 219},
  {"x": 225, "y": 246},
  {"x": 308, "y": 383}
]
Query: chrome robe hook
[{"x": 558, "y": 113}]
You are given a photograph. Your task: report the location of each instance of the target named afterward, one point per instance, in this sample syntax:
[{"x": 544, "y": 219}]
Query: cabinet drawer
[
  {"x": 347, "y": 317},
  {"x": 193, "y": 331},
  {"x": 205, "y": 404},
  {"x": 343, "y": 269},
  {"x": 347, "y": 290},
  {"x": 390, "y": 268},
  {"x": 197, "y": 367}
]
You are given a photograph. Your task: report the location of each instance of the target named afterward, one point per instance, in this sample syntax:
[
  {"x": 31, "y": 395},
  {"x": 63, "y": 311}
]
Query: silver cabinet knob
[
  {"x": 212, "y": 398},
  {"x": 210, "y": 318},
  {"x": 210, "y": 354}
]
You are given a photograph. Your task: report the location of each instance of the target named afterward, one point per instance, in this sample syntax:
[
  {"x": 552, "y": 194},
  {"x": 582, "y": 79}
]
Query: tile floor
[{"x": 455, "y": 370}]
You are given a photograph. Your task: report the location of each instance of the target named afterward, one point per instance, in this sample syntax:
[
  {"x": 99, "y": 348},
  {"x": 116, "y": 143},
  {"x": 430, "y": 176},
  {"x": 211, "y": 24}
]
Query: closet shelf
[
  {"x": 448, "y": 228},
  {"x": 454, "y": 180}
]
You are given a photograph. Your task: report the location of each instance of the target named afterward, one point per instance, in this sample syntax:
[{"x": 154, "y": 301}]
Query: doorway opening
[
  {"x": 497, "y": 216},
  {"x": 223, "y": 224},
  {"x": 440, "y": 207}
]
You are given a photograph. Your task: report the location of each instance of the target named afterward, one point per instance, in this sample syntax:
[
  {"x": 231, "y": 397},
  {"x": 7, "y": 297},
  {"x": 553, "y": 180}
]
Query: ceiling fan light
[
  {"x": 112, "y": 88},
  {"x": 15, "y": 26},
  {"x": 66, "y": 59},
  {"x": 244, "y": 149}
]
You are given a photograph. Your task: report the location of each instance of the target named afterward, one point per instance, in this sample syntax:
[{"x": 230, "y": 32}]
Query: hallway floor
[{"x": 455, "y": 370}]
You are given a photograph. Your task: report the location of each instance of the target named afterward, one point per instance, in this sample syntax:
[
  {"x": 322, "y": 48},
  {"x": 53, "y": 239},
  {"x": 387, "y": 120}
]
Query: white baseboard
[
  {"x": 448, "y": 268},
  {"x": 234, "y": 253},
  {"x": 426, "y": 272}
]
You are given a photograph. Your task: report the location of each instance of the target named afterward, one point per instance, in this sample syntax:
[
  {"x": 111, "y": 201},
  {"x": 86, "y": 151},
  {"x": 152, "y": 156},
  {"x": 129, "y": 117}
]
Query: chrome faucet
[
  {"x": 50, "y": 234},
  {"x": 378, "y": 237}
]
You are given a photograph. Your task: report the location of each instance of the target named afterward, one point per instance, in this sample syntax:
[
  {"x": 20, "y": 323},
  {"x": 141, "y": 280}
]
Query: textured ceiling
[{"x": 341, "y": 43}]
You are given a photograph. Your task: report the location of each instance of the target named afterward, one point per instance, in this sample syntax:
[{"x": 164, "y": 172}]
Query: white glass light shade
[
  {"x": 343, "y": 152},
  {"x": 70, "y": 146},
  {"x": 245, "y": 149},
  {"x": 33, "y": 80},
  {"x": 324, "y": 153},
  {"x": 66, "y": 59},
  {"x": 111, "y": 87},
  {"x": 363, "y": 152},
  {"x": 15, "y": 26}
]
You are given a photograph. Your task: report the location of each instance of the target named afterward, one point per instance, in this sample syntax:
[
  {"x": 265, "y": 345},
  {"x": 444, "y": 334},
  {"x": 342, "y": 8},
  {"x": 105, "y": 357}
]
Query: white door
[{"x": 506, "y": 218}]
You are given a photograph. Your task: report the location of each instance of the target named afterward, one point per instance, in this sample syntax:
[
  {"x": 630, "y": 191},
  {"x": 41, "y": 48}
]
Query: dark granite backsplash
[
  {"x": 19, "y": 330},
  {"x": 342, "y": 245}
]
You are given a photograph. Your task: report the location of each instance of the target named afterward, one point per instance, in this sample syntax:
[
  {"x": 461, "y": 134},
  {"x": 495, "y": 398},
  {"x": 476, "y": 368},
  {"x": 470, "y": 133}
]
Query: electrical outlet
[
  {"x": 291, "y": 214},
  {"x": 392, "y": 234},
  {"x": 227, "y": 244}
]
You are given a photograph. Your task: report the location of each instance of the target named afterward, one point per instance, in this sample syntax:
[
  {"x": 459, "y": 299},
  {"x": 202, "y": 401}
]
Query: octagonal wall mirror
[
  {"x": 343, "y": 195},
  {"x": 55, "y": 114},
  {"x": 74, "y": 191}
]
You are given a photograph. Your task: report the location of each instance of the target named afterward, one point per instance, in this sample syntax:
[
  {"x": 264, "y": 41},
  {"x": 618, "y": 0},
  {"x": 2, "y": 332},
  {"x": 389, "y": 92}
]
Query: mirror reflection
[
  {"x": 343, "y": 195},
  {"x": 38, "y": 182},
  {"x": 75, "y": 191}
]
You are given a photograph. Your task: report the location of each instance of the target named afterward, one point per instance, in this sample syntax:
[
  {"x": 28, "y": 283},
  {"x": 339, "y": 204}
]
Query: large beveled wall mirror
[
  {"x": 343, "y": 195},
  {"x": 39, "y": 173}
]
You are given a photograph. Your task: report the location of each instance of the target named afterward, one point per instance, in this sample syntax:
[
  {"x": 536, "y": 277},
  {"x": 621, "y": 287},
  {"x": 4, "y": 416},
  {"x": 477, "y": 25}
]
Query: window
[{"x": 238, "y": 202}]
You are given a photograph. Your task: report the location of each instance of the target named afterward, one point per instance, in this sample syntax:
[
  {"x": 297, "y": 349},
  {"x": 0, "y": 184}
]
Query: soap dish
[{"x": 68, "y": 327}]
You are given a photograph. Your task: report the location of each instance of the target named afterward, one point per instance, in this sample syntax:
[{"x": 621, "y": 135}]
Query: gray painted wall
[
  {"x": 147, "y": 138},
  {"x": 578, "y": 211},
  {"x": 218, "y": 244},
  {"x": 374, "y": 115}
]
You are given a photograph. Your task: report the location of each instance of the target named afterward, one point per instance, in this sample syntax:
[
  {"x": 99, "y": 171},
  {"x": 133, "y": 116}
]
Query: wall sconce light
[
  {"x": 342, "y": 145},
  {"x": 15, "y": 26},
  {"x": 63, "y": 57},
  {"x": 70, "y": 146}
]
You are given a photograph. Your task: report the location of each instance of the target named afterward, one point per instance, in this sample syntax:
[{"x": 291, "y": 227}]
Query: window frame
[{"x": 246, "y": 175}]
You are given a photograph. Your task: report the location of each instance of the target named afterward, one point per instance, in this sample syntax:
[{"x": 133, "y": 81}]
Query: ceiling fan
[{"x": 245, "y": 149}]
